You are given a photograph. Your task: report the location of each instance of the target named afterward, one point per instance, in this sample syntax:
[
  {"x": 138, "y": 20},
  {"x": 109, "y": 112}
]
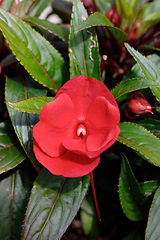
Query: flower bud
[
  {"x": 139, "y": 105},
  {"x": 113, "y": 15},
  {"x": 133, "y": 34}
]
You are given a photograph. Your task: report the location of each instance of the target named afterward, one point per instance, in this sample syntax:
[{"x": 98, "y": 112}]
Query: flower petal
[
  {"x": 101, "y": 140},
  {"x": 76, "y": 146},
  {"x": 69, "y": 164},
  {"x": 102, "y": 121},
  {"x": 83, "y": 91},
  {"x": 57, "y": 122}
]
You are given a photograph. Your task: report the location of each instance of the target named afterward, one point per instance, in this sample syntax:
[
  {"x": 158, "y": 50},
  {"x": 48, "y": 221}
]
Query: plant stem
[{"x": 94, "y": 195}]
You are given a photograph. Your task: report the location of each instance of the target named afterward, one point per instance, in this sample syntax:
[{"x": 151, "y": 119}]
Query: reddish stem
[
  {"x": 156, "y": 41},
  {"x": 94, "y": 195}
]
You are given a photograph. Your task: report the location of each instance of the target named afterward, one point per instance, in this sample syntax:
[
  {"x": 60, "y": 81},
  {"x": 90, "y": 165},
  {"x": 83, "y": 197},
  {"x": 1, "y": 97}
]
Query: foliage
[{"x": 106, "y": 40}]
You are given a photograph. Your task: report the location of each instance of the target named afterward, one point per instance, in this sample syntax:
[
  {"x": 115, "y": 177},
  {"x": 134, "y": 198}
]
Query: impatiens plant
[{"x": 79, "y": 120}]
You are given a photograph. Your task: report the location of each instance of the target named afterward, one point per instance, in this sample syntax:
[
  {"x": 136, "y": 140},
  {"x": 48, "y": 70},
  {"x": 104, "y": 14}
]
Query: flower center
[{"x": 81, "y": 131}]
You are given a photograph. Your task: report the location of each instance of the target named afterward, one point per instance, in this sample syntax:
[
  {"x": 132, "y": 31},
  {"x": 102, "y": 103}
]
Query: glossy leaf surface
[
  {"x": 83, "y": 46},
  {"x": 33, "y": 51},
  {"x": 149, "y": 69},
  {"x": 58, "y": 200},
  {"x": 14, "y": 188},
  {"x": 133, "y": 84},
  {"x": 11, "y": 152},
  {"x": 98, "y": 19},
  {"x": 141, "y": 140},
  {"x": 152, "y": 231},
  {"x": 131, "y": 197},
  {"x": 23, "y": 123},
  {"x": 57, "y": 29},
  {"x": 31, "y": 105}
]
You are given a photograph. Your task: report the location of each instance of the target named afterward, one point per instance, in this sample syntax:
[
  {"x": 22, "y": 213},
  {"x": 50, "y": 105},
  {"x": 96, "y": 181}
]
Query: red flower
[
  {"x": 78, "y": 125},
  {"x": 139, "y": 105}
]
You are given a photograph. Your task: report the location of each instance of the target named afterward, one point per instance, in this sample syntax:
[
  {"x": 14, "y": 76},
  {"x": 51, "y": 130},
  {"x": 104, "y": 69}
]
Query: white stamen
[{"x": 81, "y": 130}]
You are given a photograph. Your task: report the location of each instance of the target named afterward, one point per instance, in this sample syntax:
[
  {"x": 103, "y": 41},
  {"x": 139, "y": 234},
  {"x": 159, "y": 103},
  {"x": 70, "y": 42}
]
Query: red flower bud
[
  {"x": 1, "y": 1},
  {"x": 139, "y": 105},
  {"x": 113, "y": 15},
  {"x": 133, "y": 34},
  {"x": 76, "y": 127}
]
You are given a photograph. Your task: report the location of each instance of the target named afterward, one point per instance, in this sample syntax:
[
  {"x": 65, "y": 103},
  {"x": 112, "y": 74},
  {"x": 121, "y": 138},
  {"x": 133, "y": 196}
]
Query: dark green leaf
[
  {"x": 152, "y": 125},
  {"x": 133, "y": 84},
  {"x": 149, "y": 69},
  {"x": 98, "y": 19},
  {"x": 37, "y": 55},
  {"x": 17, "y": 90},
  {"x": 149, "y": 187},
  {"x": 14, "y": 187},
  {"x": 138, "y": 138},
  {"x": 53, "y": 204},
  {"x": 11, "y": 152},
  {"x": 148, "y": 48},
  {"x": 134, "y": 236},
  {"x": 57, "y": 29},
  {"x": 131, "y": 197},
  {"x": 83, "y": 46},
  {"x": 153, "y": 226},
  {"x": 31, "y": 105}
]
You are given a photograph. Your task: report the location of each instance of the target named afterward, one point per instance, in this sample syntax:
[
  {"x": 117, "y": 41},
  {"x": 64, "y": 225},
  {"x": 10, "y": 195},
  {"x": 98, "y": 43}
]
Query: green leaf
[
  {"x": 102, "y": 5},
  {"x": 148, "y": 188},
  {"x": 133, "y": 84},
  {"x": 149, "y": 69},
  {"x": 153, "y": 226},
  {"x": 83, "y": 46},
  {"x": 148, "y": 48},
  {"x": 98, "y": 19},
  {"x": 88, "y": 217},
  {"x": 152, "y": 125},
  {"x": 7, "y": 4},
  {"x": 57, "y": 29},
  {"x": 30, "y": 7},
  {"x": 138, "y": 138},
  {"x": 33, "y": 51},
  {"x": 31, "y": 105},
  {"x": 131, "y": 197},
  {"x": 53, "y": 204},
  {"x": 128, "y": 13},
  {"x": 11, "y": 152},
  {"x": 18, "y": 89},
  {"x": 134, "y": 235},
  {"x": 149, "y": 21},
  {"x": 14, "y": 187},
  {"x": 39, "y": 8}
]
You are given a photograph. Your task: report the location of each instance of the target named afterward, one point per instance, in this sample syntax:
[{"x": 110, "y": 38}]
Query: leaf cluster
[{"x": 37, "y": 58}]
